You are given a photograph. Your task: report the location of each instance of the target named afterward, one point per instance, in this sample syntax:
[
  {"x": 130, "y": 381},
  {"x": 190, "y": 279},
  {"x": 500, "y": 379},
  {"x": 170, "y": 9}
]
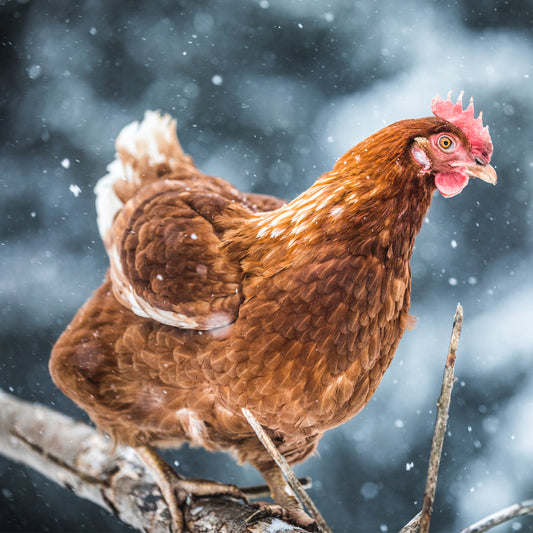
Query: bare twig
[
  {"x": 78, "y": 457},
  {"x": 290, "y": 476},
  {"x": 443, "y": 407},
  {"x": 413, "y": 525},
  {"x": 501, "y": 516}
]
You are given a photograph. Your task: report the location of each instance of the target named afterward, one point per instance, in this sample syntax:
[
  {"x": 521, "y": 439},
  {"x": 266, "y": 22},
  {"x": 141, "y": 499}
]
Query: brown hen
[{"x": 217, "y": 300}]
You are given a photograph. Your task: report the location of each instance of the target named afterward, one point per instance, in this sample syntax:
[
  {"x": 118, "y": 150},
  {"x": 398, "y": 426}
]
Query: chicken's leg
[
  {"x": 290, "y": 506},
  {"x": 175, "y": 488}
]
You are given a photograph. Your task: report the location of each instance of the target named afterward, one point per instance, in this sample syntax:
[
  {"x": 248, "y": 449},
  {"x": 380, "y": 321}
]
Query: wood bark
[{"x": 78, "y": 457}]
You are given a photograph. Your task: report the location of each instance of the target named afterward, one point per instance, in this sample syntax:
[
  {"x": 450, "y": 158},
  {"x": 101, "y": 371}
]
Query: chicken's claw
[
  {"x": 176, "y": 489},
  {"x": 297, "y": 517}
]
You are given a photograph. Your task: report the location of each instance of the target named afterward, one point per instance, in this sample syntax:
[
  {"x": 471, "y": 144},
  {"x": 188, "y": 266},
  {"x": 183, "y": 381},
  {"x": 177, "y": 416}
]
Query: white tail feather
[
  {"x": 140, "y": 146},
  {"x": 151, "y": 141}
]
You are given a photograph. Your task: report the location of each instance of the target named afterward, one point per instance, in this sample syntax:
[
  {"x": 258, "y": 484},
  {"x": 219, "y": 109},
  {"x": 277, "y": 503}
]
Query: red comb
[{"x": 477, "y": 134}]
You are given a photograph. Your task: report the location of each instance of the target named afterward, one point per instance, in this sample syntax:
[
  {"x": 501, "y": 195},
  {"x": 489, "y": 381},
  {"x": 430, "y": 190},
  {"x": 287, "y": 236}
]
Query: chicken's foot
[
  {"x": 176, "y": 489},
  {"x": 284, "y": 492},
  {"x": 288, "y": 506}
]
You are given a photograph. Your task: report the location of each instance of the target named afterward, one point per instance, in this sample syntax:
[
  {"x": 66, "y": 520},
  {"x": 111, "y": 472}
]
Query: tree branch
[
  {"x": 443, "y": 408},
  {"x": 78, "y": 457},
  {"x": 420, "y": 523},
  {"x": 499, "y": 517}
]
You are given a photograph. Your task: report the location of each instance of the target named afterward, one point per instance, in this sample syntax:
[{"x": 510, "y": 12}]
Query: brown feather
[{"x": 218, "y": 300}]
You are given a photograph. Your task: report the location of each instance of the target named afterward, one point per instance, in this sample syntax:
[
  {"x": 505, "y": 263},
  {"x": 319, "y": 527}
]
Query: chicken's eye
[{"x": 446, "y": 144}]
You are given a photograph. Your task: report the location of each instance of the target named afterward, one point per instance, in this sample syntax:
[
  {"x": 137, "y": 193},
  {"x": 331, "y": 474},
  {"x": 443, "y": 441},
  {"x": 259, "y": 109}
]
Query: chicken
[{"x": 218, "y": 300}]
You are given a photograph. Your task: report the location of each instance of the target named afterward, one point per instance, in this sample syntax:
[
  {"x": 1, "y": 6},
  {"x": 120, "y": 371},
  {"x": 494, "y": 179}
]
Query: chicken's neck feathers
[{"x": 353, "y": 206}]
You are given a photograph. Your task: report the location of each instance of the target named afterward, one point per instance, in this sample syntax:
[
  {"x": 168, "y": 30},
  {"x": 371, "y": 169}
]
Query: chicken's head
[{"x": 455, "y": 155}]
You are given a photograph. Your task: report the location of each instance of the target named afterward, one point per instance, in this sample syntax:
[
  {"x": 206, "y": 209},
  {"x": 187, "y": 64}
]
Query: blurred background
[{"x": 268, "y": 94}]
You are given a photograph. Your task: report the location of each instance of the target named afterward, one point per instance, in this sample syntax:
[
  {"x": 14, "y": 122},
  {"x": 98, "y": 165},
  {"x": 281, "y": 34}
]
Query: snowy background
[{"x": 268, "y": 93}]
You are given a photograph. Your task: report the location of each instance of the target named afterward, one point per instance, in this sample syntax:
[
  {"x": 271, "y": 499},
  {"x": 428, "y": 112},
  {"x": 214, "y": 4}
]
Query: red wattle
[{"x": 450, "y": 183}]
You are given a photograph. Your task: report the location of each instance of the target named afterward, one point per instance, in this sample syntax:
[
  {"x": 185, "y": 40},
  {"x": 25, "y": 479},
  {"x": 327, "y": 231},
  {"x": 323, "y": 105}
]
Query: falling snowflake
[{"x": 75, "y": 190}]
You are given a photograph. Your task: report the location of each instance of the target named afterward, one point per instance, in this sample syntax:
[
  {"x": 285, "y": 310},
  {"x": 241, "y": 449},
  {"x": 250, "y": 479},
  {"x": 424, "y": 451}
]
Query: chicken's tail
[{"x": 146, "y": 151}]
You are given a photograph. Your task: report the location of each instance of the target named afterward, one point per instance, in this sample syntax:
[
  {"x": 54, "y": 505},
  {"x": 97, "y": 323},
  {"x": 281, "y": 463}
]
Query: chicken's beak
[{"x": 483, "y": 172}]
